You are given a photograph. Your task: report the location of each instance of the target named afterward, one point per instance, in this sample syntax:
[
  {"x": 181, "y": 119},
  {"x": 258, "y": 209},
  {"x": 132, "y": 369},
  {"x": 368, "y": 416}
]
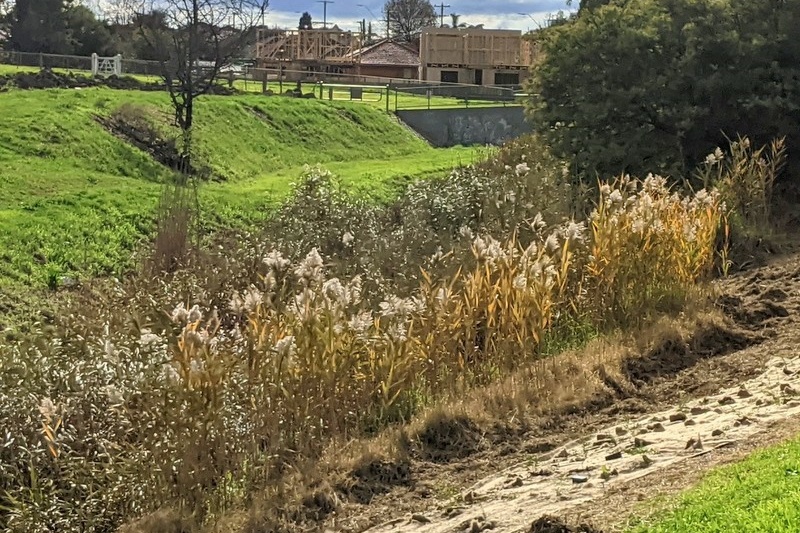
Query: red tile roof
[{"x": 388, "y": 52}]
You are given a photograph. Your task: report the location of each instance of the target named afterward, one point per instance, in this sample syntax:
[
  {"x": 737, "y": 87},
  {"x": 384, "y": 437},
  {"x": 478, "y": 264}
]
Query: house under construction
[
  {"x": 471, "y": 56},
  {"x": 475, "y": 56},
  {"x": 320, "y": 50}
]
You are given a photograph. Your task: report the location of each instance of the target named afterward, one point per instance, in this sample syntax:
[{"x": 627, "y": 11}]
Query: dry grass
[
  {"x": 176, "y": 216},
  {"x": 237, "y": 399},
  {"x": 572, "y": 382}
]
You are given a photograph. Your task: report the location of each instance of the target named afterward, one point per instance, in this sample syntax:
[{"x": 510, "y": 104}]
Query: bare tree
[
  {"x": 202, "y": 37},
  {"x": 406, "y": 18},
  {"x": 120, "y": 12}
]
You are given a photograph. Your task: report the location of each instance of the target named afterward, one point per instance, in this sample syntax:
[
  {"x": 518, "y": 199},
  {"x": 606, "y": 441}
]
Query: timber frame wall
[
  {"x": 474, "y": 48},
  {"x": 306, "y": 46}
]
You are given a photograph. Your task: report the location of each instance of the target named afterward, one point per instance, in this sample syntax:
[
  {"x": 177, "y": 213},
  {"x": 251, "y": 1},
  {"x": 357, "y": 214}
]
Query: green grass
[
  {"x": 372, "y": 96},
  {"x": 758, "y": 495},
  {"x": 76, "y": 201}
]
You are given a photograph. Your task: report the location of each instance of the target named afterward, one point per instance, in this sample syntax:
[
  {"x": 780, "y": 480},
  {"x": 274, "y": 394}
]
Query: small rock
[
  {"x": 657, "y": 427},
  {"x": 658, "y": 419},
  {"x": 422, "y": 519},
  {"x": 698, "y": 411},
  {"x": 452, "y": 512},
  {"x": 743, "y": 393},
  {"x": 793, "y": 403},
  {"x": 542, "y": 473},
  {"x": 513, "y": 483},
  {"x": 690, "y": 444},
  {"x": 563, "y": 454},
  {"x": 717, "y": 433},
  {"x": 620, "y": 431},
  {"x": 604, "y": 437},
  {"x": 677, "y": 417},
  {"x": 646, "y": 461},
  {"x": 469, "y": 497},
  {"x": 727, "y": 400},
  {"x": 577, "y": 480},
  {"x": 689, "y": 422},
  {"x": 787, "y": 371},
  {"x": 641, "y": 443},
  {"x": 788, "y": 390},
  {"x": 744, "y": 421},
  {"x": 760, "y": 402},
  {"x": 614, "y": 456}
]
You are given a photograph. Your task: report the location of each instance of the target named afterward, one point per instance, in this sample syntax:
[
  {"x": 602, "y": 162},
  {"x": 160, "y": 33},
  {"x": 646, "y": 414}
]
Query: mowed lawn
[
  {"x": 77, "y": 201},
  {"x": 758, "y": 495}
]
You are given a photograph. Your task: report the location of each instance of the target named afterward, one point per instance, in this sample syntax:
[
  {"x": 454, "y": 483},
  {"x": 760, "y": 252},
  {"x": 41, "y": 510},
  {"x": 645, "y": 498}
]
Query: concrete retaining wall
[{"x": 452, "y": 127}]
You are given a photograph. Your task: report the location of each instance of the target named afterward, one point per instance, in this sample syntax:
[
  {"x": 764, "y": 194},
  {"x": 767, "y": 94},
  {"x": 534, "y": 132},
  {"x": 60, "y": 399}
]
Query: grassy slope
[
  {"x": 373, "y": 96},
  {"x": 76, "y": 200},
  {"x": 759, "y": 495}
]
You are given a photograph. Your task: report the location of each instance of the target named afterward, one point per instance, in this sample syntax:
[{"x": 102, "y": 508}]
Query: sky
[{"x": 504, "y": 14}]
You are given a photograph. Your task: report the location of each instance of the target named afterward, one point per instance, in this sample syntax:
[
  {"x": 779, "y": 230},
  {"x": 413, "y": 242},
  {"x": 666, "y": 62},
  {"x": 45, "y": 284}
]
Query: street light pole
[{"x": 530, "y": 17}]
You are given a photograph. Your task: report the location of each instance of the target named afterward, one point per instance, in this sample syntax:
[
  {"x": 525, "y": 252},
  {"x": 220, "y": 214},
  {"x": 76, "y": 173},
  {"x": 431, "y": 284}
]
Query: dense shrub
[{"x": 650, "y": 85}]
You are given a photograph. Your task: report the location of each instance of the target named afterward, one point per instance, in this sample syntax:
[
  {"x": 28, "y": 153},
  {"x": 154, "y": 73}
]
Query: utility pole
[
  {"x": 441, "y": 13},
  {"x": 325, "y": 11}
]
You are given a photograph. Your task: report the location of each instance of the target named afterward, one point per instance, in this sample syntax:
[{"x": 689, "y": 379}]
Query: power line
[
  {"x": 325, "y": 11},
  {"x": 441, "y": 13}
]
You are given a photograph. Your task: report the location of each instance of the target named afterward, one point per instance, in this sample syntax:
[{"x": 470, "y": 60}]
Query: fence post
[
  {"x": 321, "y": 86},
  {"x": 388, "y": 95}
]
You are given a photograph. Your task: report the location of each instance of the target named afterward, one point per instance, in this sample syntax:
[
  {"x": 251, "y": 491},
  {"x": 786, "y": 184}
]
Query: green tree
[
  {"x": 87, "y": 34},
  {"x": 655, "y": 85},
  {"x": 306, "y": 22},
  {"x": 40, "y": 26}
]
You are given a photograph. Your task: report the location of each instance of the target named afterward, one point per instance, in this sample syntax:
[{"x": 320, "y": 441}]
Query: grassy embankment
[
  {"x": 760, "y": 494},
  {"x": 372, "y": 96},
  {"x": 76, "y": 200}
]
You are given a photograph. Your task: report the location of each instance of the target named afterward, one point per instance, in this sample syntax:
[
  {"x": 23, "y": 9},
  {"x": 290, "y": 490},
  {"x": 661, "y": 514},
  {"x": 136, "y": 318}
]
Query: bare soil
[{"x": 653, "y": 425}]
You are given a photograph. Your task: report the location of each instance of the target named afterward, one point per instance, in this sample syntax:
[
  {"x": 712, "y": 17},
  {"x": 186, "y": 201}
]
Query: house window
[
  {"x": 450, "y": 76},
  {"x": 506, "y": 78}
]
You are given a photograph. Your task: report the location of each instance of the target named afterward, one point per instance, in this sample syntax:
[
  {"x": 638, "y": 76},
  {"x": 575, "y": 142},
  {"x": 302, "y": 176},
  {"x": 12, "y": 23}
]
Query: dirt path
[{"x": 690, "y": 411}]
